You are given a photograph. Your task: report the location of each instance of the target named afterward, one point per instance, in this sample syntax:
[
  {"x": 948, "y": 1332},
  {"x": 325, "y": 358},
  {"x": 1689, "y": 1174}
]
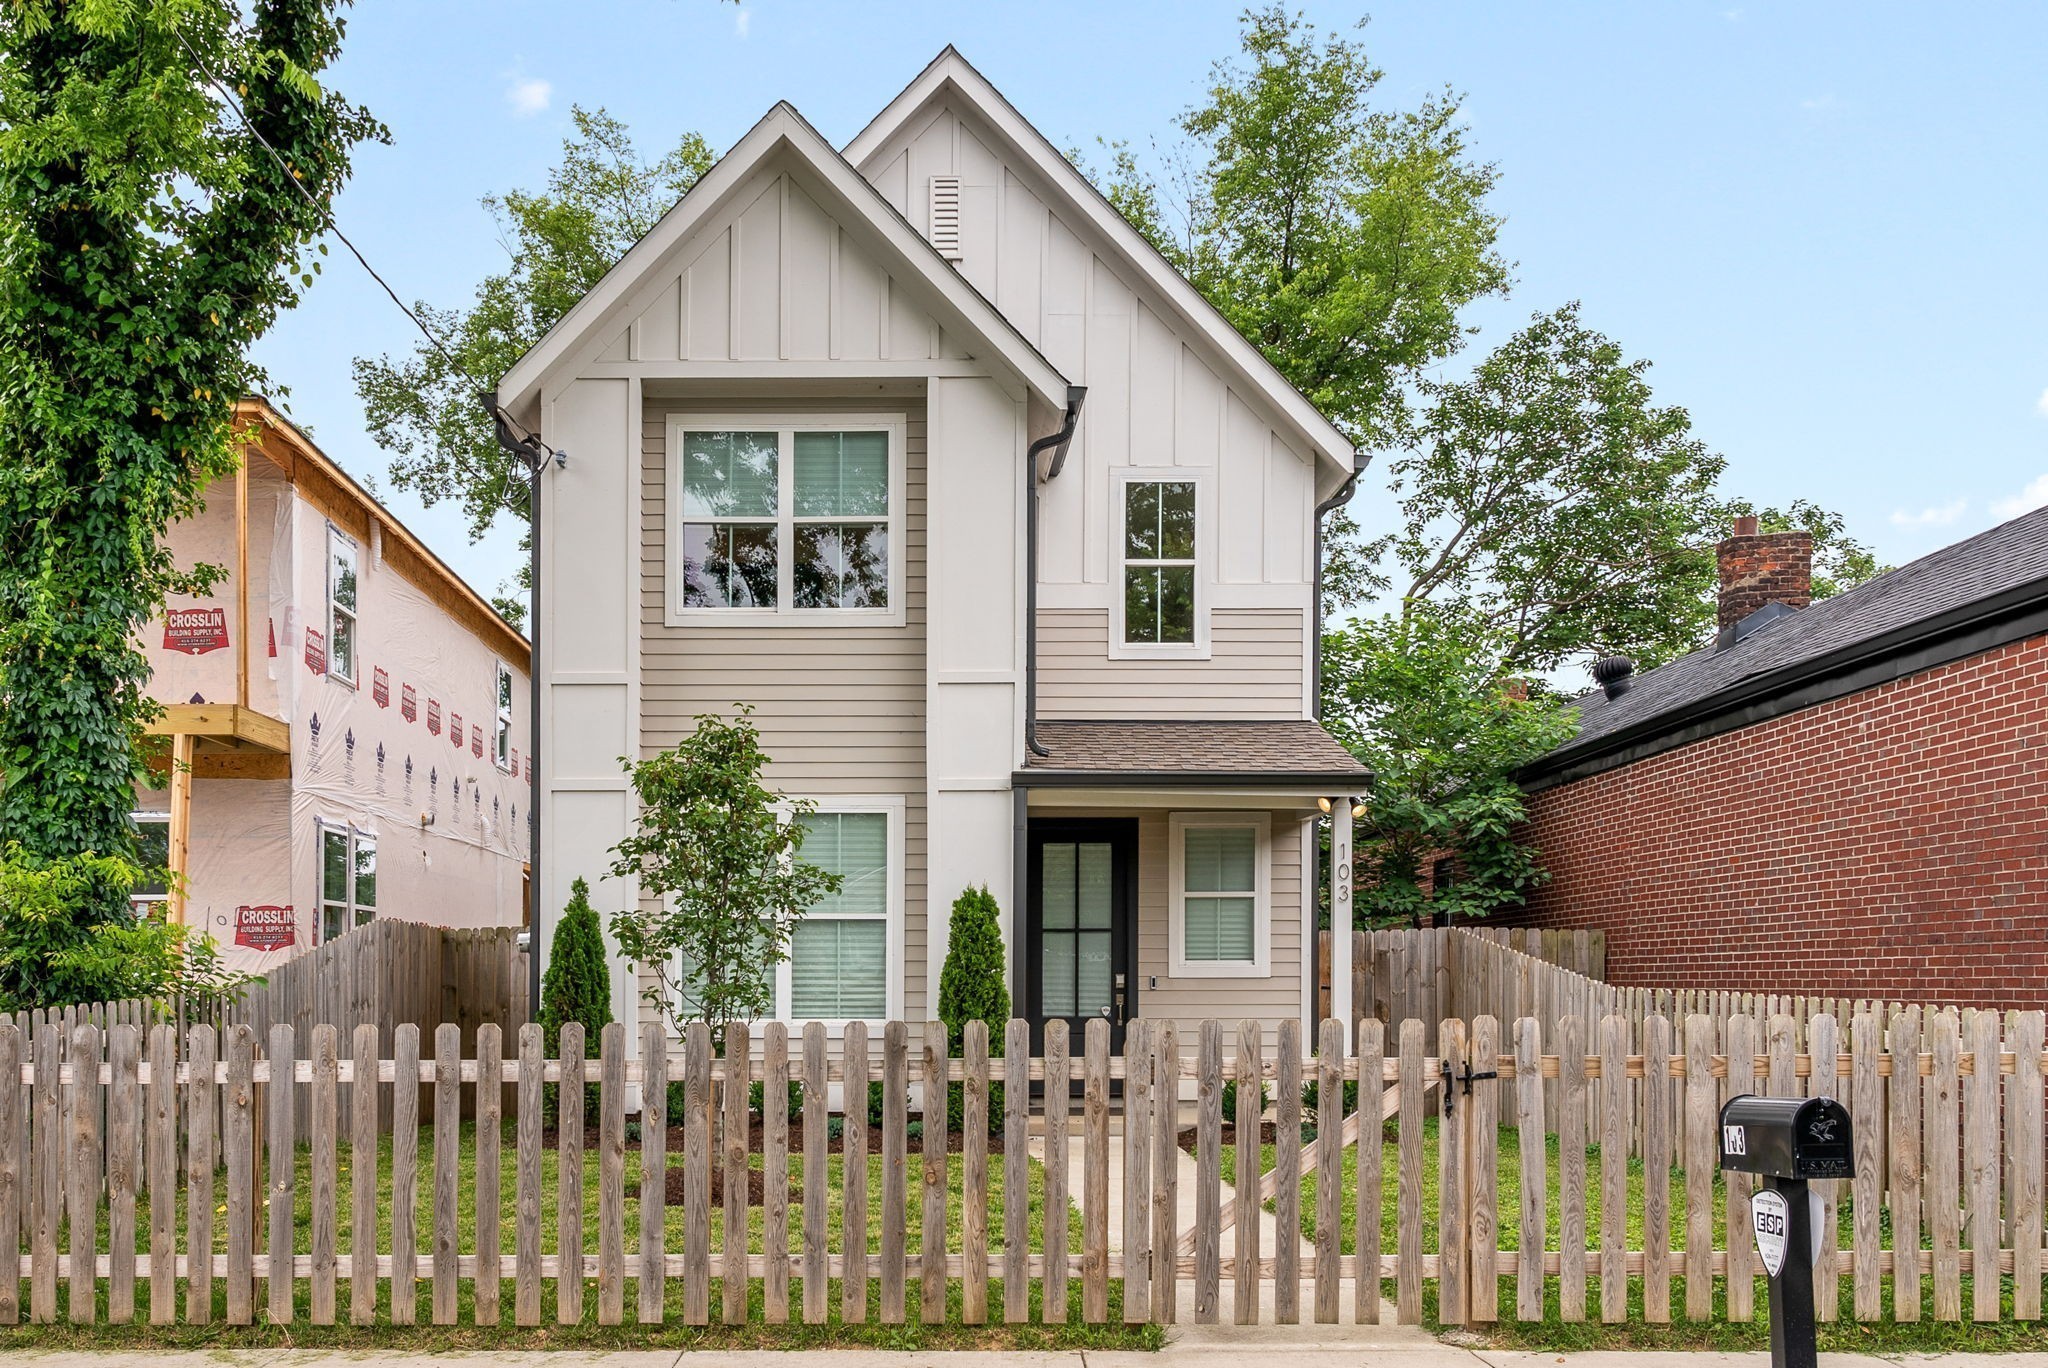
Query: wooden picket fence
[{"x": 1949, "y": 1150}]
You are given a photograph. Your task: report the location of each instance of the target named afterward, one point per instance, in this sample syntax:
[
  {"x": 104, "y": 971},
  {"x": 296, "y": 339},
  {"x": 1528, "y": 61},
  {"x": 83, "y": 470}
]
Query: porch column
[
  {"x": 1340, "y": 912},
  {"x": 183, "y": 749}
]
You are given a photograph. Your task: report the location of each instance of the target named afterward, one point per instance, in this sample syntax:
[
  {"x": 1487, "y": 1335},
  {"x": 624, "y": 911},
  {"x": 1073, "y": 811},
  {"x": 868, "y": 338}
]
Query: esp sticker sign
[{"x": 1772, "y": 1218}]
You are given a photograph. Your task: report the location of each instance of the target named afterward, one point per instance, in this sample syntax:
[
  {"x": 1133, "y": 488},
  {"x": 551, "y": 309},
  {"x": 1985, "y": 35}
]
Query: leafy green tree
[
  {"x": 577, "y": 986},
  {"x": 1426, "y": 699},
  {"x": 717, "y": 857},
  {"x": 600, "y": 200},
  {"x": 974, "y": 986},
  {"x": 151, "y": 227},
  {"x": 1338, "y": 233}
]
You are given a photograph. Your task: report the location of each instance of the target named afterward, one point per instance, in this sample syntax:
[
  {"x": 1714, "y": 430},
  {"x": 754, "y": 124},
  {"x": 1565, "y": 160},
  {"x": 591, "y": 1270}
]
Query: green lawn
[
  {"x": 1552, "y": 1332},
  {"x": 590, "y": 1335}
]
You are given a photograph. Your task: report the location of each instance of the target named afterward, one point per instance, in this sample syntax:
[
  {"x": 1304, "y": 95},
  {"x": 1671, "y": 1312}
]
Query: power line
[{"x": 334, "y": 227}]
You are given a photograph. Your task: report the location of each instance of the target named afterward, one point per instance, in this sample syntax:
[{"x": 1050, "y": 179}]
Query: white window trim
[
  {"x": 355, "y": 834},
  {"x": 891, "y": 806},
  {"x": 338, "y": 540},
  {"x": 501, "y": 734},
  {"x": 785, "y": 614},
  {"x": 1260, "y": 965},
  {"x": 1205, "y": 519}
]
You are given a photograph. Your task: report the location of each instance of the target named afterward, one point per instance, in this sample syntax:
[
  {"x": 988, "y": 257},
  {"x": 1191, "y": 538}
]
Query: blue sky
[{"x": 1823, "y": 222}]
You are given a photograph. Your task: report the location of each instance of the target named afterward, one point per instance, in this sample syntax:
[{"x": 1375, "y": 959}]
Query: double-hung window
[
  {"x": 348, "y": 879},
  {"x": 342, "y": 563},
  {"x": 153, "y": 853},
  {"x": 786, "y": 521},
  {"x": 1219, "y": 862},
  {"x": 1160, "y": 588},
  {"x": 501, "y": 735},
  {"x": 838, "y": 967}
]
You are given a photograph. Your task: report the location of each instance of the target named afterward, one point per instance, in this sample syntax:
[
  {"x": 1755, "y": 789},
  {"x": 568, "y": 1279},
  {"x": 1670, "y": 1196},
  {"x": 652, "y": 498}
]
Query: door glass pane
[
  {"x": 1057, "y": 879},
  {"x": 729, "y": 474},
  {"x": 1095, "y": 889},
  {"x": 1092, "y": 956},
  {"x": 842, "y": 474},
  {"x": 1056, "y": 974}
]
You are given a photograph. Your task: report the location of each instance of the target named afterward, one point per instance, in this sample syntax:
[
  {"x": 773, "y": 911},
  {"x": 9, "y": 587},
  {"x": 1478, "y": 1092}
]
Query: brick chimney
[{"x": 1759, "y": 568}]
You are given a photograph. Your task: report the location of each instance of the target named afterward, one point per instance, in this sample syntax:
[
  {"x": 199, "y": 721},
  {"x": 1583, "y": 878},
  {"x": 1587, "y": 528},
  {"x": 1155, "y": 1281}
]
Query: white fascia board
[
  {"x": 949, "y": 71},
  {"x": 580, "y": 335}
]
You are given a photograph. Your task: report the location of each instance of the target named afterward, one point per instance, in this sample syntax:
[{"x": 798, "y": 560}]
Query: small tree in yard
[
  {"x": 716, "y": 855},
  {"x": 577, "y": 986},
  {"x": 973, "y": 987}
]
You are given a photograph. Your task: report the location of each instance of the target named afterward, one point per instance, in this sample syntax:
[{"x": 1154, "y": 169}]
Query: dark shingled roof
[
  {"x": 1238, "y": 751},
  {"x": 2005, "y": 561}
]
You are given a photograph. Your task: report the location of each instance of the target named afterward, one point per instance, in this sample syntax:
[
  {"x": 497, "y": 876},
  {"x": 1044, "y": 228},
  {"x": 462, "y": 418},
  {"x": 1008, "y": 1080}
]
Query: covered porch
[{"x": 1170, "y": 870}]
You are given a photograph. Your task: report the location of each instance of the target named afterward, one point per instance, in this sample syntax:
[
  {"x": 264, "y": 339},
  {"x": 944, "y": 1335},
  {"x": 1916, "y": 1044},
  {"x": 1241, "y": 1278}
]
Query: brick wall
[{"x": 1894, "y": 843}]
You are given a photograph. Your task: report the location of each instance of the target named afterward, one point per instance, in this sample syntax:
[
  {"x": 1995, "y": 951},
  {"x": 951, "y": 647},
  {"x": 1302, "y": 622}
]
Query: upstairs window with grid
[
  {"x": 1159, "y": 562},
  {"x": 785, "y": 520}
]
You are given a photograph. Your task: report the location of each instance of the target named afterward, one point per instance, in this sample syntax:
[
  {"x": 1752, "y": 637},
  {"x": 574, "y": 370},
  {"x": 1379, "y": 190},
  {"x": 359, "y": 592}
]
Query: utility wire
[{"x": 334, "y": 227}]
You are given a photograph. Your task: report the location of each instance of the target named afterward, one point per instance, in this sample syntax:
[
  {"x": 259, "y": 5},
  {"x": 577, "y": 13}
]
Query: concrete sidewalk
[{"x": 1185, "y": 1351}]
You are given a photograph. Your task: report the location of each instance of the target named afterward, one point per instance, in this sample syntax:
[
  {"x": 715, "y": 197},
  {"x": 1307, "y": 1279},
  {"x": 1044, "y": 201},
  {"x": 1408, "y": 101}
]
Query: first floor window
[
  {"x": 839, "y": 953},
  {"x": 1219, "y": 881},
  {"x": 153, "y": 853},
  {"x": 348, "y": 879},
  {"x": 1159, "y": 563}
]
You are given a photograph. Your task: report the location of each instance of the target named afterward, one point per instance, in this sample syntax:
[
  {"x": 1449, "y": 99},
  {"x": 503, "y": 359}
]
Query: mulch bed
[{"x": 1267, "y": 1134}]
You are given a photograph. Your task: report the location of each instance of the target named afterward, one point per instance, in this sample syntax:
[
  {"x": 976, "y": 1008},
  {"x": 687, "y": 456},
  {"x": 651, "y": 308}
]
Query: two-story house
[
  {"x": 346, "y": 719},
  {"x": 1009, "y": 539}
]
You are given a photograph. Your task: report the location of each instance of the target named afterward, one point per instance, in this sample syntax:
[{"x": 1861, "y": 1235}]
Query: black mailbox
[{"x": 1787, "y": 1137}]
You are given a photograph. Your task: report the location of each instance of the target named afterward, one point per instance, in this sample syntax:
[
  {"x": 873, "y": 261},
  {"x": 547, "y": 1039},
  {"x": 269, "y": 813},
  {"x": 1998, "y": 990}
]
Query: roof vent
[
  {"x": 945, "y": 228},
  {"x": 1614, "y": 674}
]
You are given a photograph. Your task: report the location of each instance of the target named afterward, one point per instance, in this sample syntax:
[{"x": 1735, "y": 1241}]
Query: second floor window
[
  {"x": 787, "y": 520},
  {"x": 1159, "y": 563},
  {"x": 341, "y": 607},
  {"x": 501, "y": 736}
]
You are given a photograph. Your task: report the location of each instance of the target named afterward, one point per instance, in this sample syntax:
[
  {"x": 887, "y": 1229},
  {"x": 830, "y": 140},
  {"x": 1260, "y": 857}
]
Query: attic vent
[{"x": 945, "y": 232}]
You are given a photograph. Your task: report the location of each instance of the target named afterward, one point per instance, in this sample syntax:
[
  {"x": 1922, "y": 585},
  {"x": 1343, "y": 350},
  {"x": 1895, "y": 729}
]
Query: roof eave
[{"x": 1347, "y": 781}]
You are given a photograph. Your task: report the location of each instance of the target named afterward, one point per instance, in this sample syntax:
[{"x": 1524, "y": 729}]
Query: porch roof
[{"x": 1240, "y": 754}]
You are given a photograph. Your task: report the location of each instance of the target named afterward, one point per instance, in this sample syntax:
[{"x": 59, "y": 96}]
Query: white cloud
[
  {"x": 2041, "y": 404},
  {"x": 529, "y": 95},
  {"x": 2026, "y": 501},
  {"x": 742, "y": 21},
  {"x": 1938, "y": 515}
]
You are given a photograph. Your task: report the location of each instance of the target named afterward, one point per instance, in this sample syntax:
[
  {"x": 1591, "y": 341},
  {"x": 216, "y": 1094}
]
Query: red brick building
[{"x": 1848, "y": 798}]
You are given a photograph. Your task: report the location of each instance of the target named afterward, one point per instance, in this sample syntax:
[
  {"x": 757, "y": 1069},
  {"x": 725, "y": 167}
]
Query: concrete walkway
[{"x": 1181, "y": 1352}]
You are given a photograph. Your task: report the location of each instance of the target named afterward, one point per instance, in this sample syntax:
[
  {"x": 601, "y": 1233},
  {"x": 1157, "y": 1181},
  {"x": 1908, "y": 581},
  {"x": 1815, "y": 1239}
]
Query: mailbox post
[{"x": 1787, "y": 1141}]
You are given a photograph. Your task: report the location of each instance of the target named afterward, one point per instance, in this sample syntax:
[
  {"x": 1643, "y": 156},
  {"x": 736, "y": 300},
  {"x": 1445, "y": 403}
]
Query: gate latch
[{"x": 1468, "y": 1078}]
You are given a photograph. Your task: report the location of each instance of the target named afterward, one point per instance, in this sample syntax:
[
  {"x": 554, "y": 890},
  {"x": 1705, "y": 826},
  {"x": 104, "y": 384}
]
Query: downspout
[{"x": 1057, "y": 443}]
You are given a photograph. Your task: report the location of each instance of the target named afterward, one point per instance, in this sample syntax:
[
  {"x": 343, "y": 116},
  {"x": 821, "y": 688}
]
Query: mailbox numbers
[
  {"x": 1734, "y": 1140},
  {"x": 1771, "y": 1216}
]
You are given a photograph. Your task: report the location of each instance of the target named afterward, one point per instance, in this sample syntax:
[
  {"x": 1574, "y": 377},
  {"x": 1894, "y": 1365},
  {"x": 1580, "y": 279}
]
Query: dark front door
[{"x": 1080, "y": 927}]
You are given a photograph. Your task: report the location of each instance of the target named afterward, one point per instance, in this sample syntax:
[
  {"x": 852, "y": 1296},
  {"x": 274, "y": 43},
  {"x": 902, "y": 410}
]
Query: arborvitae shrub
[
  {"x": 577, "y": 985},
  {"x": 973, "y": 986}
]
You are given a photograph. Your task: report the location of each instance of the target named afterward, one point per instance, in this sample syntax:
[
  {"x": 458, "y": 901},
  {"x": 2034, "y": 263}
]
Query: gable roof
[
  {"x": 1979, "y": 593},
  {"x": 951, "y": 73},
  {"x": 582, "y": 333}
]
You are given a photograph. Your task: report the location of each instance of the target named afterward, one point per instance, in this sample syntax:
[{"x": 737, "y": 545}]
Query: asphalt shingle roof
[
  {"x": 2007, "y": 557},
  {"x": 1193, "y": 748}
]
